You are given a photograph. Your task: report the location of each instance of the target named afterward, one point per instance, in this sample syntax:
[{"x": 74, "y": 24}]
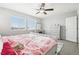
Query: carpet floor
[{"x": 69, "y": 48}]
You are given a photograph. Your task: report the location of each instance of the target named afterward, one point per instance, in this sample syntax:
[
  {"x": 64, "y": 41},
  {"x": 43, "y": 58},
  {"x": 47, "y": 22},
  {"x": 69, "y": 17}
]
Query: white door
[{"x": 71, "y": 29}]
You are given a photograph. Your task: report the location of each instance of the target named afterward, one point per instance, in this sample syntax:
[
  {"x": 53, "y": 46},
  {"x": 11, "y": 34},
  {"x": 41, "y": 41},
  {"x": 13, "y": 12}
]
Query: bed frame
[{"x": 52, "y": 51}]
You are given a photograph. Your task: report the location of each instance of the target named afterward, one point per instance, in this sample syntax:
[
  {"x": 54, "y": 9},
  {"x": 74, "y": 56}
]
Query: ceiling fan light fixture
[{"x": 41, "y": 11}]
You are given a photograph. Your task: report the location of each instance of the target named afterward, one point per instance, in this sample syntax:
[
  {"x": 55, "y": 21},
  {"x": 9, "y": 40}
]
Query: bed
[{"x": 34, "y": 44}]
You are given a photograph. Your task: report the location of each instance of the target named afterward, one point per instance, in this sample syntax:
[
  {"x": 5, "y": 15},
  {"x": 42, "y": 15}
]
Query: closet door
[{"x": 71, "y": 29}]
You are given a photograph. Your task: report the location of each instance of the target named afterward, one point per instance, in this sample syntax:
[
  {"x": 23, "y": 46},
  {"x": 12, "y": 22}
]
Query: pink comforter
[{"x": 32, "y": 47}]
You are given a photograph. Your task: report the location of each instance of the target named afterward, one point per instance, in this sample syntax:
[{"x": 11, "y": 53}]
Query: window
[
  {"x": 17, "y": 22},
  {"x": 31, "y": 24}
]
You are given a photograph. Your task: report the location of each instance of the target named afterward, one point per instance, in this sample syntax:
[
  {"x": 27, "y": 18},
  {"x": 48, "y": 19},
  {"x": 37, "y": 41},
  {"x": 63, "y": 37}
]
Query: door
[{"x": 71, "y": 29}]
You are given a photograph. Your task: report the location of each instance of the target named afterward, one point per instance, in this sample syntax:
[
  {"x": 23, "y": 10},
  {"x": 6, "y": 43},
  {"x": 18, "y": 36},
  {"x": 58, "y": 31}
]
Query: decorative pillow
[
  {"x": 7, "y": 49},
  {"x": 18, "y": 48}
]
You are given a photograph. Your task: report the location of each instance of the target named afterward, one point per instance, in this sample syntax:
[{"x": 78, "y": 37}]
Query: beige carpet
[{"x": 69, "y": 48}]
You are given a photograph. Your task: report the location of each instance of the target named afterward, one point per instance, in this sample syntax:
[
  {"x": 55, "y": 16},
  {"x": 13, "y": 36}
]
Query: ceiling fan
[{"x": 43, "y": 10}]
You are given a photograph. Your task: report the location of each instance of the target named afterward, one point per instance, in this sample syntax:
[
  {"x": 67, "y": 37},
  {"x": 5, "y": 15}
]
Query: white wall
[
  {"x": 78, "y": 25},
  {"x": 5, "y": 24},
  {"x": 57, "y": 19}
]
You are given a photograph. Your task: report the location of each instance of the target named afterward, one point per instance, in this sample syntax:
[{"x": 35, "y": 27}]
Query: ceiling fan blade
[
  {"x": 49, "y": 9},
  {"x": 45, "y": 13},
  {"x": 37, "y": 12}
]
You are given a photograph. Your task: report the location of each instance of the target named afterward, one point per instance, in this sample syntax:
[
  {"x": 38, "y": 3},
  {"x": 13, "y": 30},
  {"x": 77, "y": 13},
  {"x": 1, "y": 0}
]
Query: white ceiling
[{"x": 30, "y": 8}]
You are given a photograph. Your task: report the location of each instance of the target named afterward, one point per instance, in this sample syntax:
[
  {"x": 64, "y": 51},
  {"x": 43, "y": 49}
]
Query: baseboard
[{"x": 70, "y": 41}]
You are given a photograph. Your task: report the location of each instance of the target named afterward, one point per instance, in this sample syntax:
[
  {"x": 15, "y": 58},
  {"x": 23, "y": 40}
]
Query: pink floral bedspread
[{"x": 38, "y": 45}]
